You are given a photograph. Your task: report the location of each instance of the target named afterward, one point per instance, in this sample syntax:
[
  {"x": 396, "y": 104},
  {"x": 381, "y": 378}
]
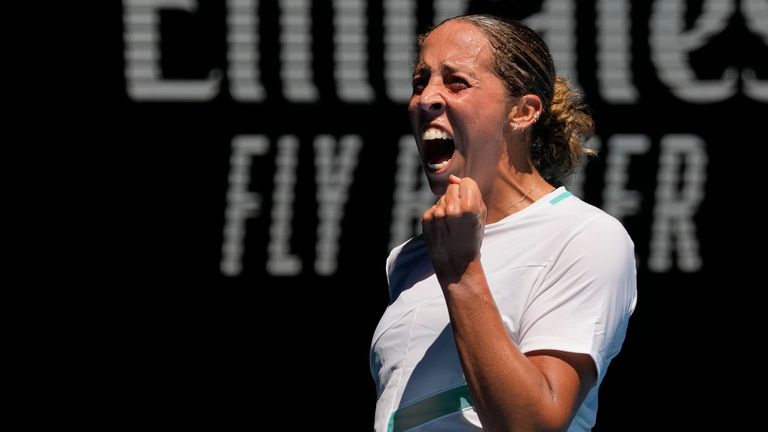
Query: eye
[
  {"x": 456, "y": 83},
  {"x": 418, "y": 84}
]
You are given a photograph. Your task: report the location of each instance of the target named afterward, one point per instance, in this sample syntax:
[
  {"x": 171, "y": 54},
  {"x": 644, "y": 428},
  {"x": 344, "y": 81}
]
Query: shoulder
[
  {"x": 581, "y": 219},
  {"x": 409, "y": 248},
  {"x": 592, "y": 242},
  {"x": 406, "y": 263}
]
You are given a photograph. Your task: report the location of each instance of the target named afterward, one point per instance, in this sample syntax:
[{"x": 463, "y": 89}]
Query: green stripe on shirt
[
  {"x": 418, "y": 413},
  {"x": 560, "y": 197}
]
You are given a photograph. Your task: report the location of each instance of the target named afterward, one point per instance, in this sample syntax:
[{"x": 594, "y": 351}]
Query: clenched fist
[{"x": 453, "y": 228}]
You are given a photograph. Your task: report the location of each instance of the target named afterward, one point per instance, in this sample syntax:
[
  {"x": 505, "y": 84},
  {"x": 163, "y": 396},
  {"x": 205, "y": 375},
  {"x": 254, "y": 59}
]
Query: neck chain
[{"x": 525, "y": 195}]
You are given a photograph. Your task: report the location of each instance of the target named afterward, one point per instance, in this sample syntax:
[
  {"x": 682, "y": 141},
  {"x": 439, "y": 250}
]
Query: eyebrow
[{"x": 422, "y": 69}]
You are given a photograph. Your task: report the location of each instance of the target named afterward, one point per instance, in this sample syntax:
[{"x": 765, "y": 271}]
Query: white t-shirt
[{"x": 562, "y": 273}]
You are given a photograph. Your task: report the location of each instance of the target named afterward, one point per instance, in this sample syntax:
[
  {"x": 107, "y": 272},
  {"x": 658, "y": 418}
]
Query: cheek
[
  {"x": 491, "y": 124},
  {"x": 413, "y": 116},
  {"x": 494, "y": 109}
]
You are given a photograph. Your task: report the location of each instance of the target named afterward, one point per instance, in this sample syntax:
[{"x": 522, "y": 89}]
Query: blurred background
[{"x": 202, "y": 195}]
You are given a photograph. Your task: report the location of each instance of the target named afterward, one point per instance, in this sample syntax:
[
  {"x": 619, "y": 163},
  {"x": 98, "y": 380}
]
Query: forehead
[{"x": 455, "y": 42}]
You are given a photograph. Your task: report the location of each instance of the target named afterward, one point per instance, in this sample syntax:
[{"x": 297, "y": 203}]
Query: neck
[{"x": 514, "y": 191}]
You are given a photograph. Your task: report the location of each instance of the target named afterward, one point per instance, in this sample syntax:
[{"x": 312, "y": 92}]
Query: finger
[
  {"x": 428, "y": 215},
  {"x": 452, "y": 200},
  {"x": 438, "y": 212},
  {"x": 452, "y": 193},
  {"x": 472, "y": 198},
  {"x": 427, "y": 229},
  {"x": 454, "y": 179},
  {"x": 468, "y": 191}
]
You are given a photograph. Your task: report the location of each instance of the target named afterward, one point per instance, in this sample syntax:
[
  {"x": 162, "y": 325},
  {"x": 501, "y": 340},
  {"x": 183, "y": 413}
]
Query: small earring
[{"x": 536, "y": 116}]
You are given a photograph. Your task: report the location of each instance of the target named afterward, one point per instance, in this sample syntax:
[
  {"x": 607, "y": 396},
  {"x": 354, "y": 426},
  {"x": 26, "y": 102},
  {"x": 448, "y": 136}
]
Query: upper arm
[
  {"x": 569, "y": 376},
  {"x": 585, "y": 300}
]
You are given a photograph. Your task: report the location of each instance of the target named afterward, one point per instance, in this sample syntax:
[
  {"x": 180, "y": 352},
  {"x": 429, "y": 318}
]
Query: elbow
[
  {"x": 539, "y": 427},
  {"x": 551, "y": 423},
  {"x": 555, "y": 424},
  {"x": 553, "y": 418},
  {"x": 533, "y": 422}
]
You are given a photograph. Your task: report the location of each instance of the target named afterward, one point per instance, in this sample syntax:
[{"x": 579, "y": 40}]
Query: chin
[
  {"x": 438, "y": 184},
  {"x": 438, "y": 189}
]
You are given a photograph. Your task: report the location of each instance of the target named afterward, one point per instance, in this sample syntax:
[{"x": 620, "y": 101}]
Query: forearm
[{"x": 509, "y": 390}]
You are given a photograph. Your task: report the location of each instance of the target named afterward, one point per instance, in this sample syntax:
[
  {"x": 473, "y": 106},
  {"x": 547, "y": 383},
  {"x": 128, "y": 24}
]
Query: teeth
[
  {"x": 434, "y": 133},
  {"x": 435, "y": 167}
]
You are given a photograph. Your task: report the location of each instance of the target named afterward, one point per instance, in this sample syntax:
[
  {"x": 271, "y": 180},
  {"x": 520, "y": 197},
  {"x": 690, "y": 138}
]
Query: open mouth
[{"x": 438, "y": 149}]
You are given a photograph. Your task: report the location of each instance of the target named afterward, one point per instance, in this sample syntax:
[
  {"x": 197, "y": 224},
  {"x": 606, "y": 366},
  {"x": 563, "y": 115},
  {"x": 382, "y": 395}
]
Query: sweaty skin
[{"x": 457, "y": 91}]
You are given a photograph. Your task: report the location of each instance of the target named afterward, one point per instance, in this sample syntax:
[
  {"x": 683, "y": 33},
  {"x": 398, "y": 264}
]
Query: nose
[{"x": 431, "y": 100}]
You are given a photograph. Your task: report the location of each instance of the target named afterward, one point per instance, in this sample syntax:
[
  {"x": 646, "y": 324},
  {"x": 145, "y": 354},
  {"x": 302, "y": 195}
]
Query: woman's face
[{"x": 459, "y": 109}]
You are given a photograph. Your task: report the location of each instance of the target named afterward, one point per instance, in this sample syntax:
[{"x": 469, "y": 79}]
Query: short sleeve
[
  {"x": 586, "y": 296},
  {"x": 407, "y": 264}
]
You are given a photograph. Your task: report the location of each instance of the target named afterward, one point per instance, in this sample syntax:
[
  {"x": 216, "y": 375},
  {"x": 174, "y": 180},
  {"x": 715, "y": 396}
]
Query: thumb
[{"x": 453, "y": 179}]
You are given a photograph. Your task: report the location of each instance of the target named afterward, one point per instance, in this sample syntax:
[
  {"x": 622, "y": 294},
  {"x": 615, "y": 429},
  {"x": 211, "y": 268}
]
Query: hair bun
[{"x": 559, "y": 136}]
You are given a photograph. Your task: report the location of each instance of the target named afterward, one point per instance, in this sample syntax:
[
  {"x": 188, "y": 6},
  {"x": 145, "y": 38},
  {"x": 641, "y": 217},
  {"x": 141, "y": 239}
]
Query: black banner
[{"x": 209, "y": 189}]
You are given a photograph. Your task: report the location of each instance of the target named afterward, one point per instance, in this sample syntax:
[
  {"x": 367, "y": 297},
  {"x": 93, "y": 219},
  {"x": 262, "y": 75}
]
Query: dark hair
[{"x": 523, "y": 62}]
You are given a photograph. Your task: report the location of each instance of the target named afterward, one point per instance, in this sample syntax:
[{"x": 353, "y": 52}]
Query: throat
[{"x": 519, "y": 195}]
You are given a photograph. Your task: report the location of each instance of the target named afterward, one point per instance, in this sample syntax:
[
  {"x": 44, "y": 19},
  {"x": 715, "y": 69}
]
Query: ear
[{"x": 525, "y": 112}]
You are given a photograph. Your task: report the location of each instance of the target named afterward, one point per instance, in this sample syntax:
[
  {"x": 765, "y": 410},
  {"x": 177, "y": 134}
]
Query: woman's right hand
[{"x": 453, "y": 228}]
